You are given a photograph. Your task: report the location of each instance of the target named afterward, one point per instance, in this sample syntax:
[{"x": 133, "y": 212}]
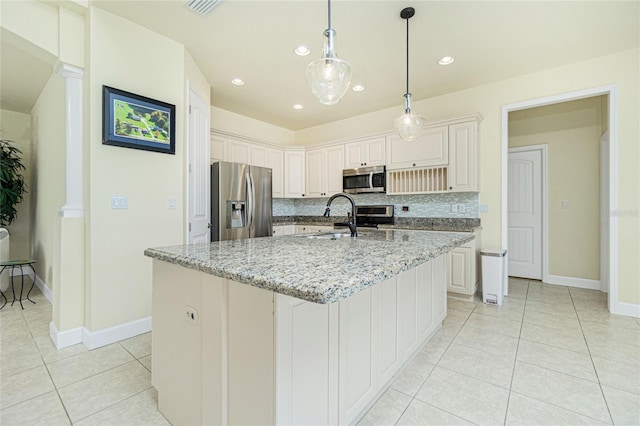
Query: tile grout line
[
  {"x": 586, "y": 342},
  {"x": 515, "y": 361},
  {"x": 413, "y": 398}
]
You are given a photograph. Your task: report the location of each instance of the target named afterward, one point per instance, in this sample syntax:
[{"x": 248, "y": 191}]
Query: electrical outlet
[
  {"x": 484, "y": 208},
  {"x": 454, "y": 208},
  {"x": 564, "y": 204},
  {"x": 461, "y": 208},
  {"x": 191, "y": 314}
]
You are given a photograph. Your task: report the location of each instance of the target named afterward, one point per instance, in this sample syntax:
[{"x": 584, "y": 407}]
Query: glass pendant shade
[
  {"x": 329, "y": 76},
  {"x": 409, "y": 125}
]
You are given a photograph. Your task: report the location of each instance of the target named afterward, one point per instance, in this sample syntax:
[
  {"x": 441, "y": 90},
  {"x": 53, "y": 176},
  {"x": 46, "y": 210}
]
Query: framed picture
[{"x": 134, "y": 121}]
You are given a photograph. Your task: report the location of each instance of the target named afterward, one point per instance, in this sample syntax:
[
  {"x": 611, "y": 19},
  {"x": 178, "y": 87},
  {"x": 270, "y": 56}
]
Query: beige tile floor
[
  {"x": 40, "y": 385},
  {"x": 550, "y": 356}
]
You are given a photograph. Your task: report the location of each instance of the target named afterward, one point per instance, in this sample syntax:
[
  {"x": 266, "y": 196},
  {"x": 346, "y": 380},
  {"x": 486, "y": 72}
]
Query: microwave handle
[{"x": 371, "y": 180}]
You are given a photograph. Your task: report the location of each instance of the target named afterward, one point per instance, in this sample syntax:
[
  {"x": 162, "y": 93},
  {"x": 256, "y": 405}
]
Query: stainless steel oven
[{"x": 364, "y": 180}]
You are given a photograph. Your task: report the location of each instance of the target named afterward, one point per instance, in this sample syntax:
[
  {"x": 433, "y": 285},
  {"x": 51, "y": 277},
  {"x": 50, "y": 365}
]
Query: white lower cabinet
[
  {"x": 284, "y": 230},
  {"x": 464, "y": 272},
  {"x": 306, "y": 229},
  {"x": 332, "y": 361},
  {"x": 258, "y": 357}
]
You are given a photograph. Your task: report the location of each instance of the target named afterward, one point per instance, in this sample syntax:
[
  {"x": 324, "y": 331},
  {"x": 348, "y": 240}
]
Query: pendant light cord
[
  {"x": 329, "y": 12},
  {"x": 407, "y": 55}
]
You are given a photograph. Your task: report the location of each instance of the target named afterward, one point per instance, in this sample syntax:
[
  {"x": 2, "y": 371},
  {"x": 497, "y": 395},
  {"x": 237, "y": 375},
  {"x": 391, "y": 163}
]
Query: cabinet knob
[
  {"x": 451, "y": 187},
  {"x": 303, "y": 195},
  {"x": 414, "y": 164}
]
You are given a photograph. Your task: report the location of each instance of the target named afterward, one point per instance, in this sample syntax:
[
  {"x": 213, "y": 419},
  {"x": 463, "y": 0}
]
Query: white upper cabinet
[
  {"x": 430, "y": 149},
  {"x": 239, "y": 152},
  {"x": 294, "y": 173},
  {"x": 276, "y": 163},
  {"x": 463, "y": 157},
  {"x": 370, "y": 152},
  {"x": 259, "y": 156},
  {"x": 218, "y": 149},
  {"x": 324, "y": 171}
]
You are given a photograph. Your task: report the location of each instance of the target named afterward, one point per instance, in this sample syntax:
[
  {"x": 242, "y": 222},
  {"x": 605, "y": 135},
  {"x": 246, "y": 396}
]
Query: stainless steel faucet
[{"x": 351, "y": 221}]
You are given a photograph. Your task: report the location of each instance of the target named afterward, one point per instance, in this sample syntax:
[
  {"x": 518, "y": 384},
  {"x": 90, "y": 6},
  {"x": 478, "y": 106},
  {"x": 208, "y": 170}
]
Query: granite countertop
[
  {"x": 312, "y": 269},
  {"x": 418, "y": 223}
]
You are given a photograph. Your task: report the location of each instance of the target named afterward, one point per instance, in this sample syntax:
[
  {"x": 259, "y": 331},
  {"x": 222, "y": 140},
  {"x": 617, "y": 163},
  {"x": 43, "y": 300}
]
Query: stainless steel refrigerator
[{"x": 240, "y": 201}]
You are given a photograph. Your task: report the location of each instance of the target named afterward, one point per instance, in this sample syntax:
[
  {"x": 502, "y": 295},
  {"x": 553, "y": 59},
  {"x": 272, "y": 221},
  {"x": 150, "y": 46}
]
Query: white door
[
  {"x": 199, "y": 210},
  {"x": 525, "y": 213}
]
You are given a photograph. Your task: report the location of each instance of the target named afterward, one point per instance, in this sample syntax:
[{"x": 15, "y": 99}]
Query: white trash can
[{"x": 493, "y": 276}]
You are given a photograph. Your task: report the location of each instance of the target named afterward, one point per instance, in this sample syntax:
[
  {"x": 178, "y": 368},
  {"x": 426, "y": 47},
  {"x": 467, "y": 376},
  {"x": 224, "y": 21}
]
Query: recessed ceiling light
[
  {"x": 446, "y": 60},
  {"x": 297, "y": 106},
  {"x": 358, "y": 88},
  {"x": 238, "y": 81},
  {"x": 302, "y": 50}
]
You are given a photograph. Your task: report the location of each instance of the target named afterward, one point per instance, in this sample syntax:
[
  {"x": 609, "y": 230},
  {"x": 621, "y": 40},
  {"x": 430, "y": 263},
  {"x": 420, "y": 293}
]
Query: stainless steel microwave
[{"x": 364, "y": 180}]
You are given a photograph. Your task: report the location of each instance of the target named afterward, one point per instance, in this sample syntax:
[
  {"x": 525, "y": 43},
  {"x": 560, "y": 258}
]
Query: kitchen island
[{"x": 292, "y": 329}]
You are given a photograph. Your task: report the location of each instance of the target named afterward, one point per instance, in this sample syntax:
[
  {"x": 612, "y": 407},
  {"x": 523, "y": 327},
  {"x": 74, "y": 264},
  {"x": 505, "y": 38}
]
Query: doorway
[{"x": 608, "y": 226}]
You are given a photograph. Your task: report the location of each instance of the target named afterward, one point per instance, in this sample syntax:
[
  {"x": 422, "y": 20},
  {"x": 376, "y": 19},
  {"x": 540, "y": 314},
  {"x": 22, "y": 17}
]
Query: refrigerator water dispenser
[{"x": 236, "y": 214}]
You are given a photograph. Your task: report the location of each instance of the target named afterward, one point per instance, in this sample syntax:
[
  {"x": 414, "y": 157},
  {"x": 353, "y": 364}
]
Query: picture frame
[{"x": 138, "y": 122}]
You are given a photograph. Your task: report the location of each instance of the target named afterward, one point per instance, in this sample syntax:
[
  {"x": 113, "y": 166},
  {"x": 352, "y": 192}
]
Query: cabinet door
[
  {"x": 387, "y": 326},
  {"x": 316, "y": 168},
  {"x": 294, "y": 174},
  {"x": 439, "y": 279},
  {"x": 460, "y": 269},
  {"x": 424, "y": 298},
  {"x": 463, "y": 157},
  {"x": 239, "y": 152},
  {"x": 356, "y": 344},
  {"x": 218, "y": 149},
  {"x": 276, "y": 163},
  {"x": 334, "y": 167},
  {"x": 259, "y": 156},
  {"x": 303, "y": 363},
  {"x": 431, "y": 149},
  {"x": 354, "y": 155},
  {"x": 407, "y": 315},
  {"x": 375, "y": 152}
]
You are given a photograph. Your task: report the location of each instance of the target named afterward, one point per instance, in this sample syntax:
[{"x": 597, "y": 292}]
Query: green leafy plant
[{"x": 12, "y": 186}]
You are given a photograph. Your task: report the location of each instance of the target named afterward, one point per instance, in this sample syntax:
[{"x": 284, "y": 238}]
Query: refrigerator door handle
[{"x": 250, "y": 201}]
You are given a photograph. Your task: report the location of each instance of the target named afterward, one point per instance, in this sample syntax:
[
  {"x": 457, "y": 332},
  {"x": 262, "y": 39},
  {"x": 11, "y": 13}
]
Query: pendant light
[
  {"x": 329, "y": 77},
  {"x": 409, "y": 124}
]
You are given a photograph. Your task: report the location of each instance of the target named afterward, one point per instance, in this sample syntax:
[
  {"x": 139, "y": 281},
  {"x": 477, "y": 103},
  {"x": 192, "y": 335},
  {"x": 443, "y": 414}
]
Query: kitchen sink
[{"x": 327, "y": 235}]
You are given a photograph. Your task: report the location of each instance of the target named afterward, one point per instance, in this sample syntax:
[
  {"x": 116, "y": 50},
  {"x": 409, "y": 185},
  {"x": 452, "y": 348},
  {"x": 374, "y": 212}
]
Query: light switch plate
[
  {"x": 172, "y": 203},
  {"x": 118, "y": 201}
]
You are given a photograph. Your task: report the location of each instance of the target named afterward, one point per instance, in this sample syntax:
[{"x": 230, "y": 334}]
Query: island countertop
[{"x": 313, "y": 269}]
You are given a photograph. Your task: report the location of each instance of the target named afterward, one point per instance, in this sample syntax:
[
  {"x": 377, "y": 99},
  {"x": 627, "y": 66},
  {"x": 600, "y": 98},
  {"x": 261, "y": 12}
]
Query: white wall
[
  {"x": 231, "y": 122},
  {"x": 572, "y": 133},
  {"x": 118, "y": 273},
  {"x": 16, "y": 126},
  {"x": 619, "y": 68}
]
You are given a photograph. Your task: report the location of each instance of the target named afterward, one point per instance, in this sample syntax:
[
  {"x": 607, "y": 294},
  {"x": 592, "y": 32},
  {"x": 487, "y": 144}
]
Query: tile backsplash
[{"x": 420, "y": 205}]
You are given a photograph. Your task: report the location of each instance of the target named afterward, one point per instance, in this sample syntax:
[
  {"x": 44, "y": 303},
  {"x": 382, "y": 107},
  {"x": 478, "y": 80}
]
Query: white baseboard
[
  {"x": 573, "y": 282},
  {"x": 628, "y": 309},
  {"x": 96, "y": 339},
  {"x": 63, "y": 339}
]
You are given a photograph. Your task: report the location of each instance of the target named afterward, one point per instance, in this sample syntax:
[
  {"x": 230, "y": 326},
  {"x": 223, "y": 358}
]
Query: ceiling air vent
[{"x": 201, "y": 7}]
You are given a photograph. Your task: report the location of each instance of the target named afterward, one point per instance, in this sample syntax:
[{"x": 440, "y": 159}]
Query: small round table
[{"x": 17, "y": 264}]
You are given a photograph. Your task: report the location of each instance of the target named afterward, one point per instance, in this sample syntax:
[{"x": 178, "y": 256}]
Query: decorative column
[
  {"x": 69, "y": 240},
  {"x": 74, "y": 206}
]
